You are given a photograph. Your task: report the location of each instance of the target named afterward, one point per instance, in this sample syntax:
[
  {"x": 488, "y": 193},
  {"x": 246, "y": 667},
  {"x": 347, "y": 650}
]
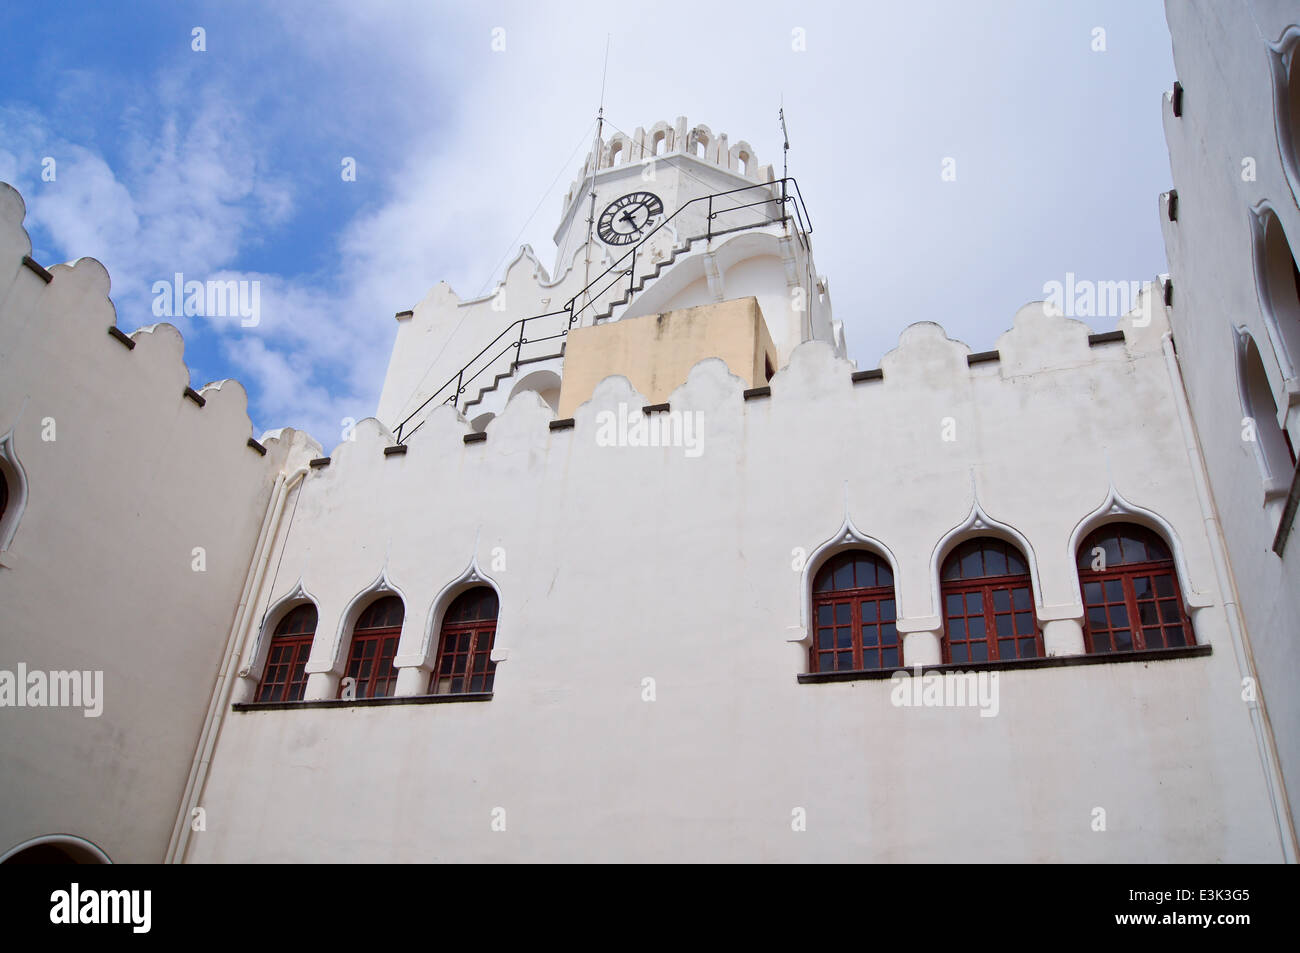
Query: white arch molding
[
  {"x": 16, "y": 482},
  {"x": 978, "y": 524},
  {"x": 1286, "y": 108},
  {"x": 1275, "y": 287},
  {"x": 380, "y": 586},
  {"x": 1116, "y": 509},
  {"x": 847, "y": 537},
  {"x": 1269, "y": 445},
  {"x": 471, "y": 577},
  {"x": 295, "y": 597}
]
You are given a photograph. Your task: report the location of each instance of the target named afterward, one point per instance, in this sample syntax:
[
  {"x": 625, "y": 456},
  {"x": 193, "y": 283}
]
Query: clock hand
[{"x": 627, "y": 217}]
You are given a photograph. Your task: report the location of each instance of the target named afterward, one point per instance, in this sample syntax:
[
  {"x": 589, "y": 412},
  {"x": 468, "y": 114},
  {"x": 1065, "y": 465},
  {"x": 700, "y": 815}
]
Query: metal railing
[{"x": 791, "y": 208}]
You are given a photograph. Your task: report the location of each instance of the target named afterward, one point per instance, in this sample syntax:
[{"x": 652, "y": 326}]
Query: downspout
[
  {"x": 1242, "y": 651},
  {"x": 225, "y": 679}
]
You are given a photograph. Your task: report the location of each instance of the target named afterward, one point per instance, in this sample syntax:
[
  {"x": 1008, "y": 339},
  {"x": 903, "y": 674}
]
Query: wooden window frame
[
  {"x": 1127, "y": 574},
  {"x": 293, "y": 684},
  {"x": 381, "y": 670},
  {"x": 986, "y": 586},
  {"x": 479, "y": 636},
  {"x": 853, "y": 598}
]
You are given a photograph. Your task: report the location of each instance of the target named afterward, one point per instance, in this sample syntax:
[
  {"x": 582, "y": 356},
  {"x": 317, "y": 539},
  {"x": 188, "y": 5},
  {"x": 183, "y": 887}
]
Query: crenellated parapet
[{"x": 665, "y": 139}]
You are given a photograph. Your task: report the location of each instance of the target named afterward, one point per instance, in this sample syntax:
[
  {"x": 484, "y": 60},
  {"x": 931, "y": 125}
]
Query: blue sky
[{"x": 226, "y": 162}]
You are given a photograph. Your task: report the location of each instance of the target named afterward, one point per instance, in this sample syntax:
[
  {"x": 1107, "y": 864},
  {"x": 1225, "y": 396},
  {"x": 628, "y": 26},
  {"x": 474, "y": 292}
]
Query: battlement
[{"x": 665, "y": 139}]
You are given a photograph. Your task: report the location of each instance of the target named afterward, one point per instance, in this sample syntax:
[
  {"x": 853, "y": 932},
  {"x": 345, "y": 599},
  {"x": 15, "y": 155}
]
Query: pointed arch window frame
[{"x": 847, "y": 537}]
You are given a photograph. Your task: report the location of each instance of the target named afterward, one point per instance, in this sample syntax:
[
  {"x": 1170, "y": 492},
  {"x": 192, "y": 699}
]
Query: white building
[{"x": 628, "y": 563}]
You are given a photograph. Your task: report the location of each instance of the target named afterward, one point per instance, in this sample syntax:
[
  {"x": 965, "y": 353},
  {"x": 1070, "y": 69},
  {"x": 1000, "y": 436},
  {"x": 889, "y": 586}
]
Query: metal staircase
[{"x": 555, "y": 325}]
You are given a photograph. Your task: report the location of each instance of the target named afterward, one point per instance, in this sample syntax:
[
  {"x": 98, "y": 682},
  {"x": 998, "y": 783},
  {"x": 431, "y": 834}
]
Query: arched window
[
  {"x": 988, "y": 604},
  {"x": 1130, "y": 592},
  {"x": 854, "y": 615},
  {"x": 1279, "y": 278},
  {"x": 13, "y": 491},
  {"x": 374, "y": 646},
  {"x": 1275, "y": 455},
  {"x": 465, "y": 646},
  {"x": 285, "y": 679}
]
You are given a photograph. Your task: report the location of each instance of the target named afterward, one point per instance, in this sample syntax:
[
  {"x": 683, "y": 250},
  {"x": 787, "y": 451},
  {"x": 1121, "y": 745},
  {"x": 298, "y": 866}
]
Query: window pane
[
  {"x": 1123, "y": 640},
  {"x": 1024, "y": 623},
  {"x": 976, "y": 626},
  {"x": 887, "y": 610},
  {"x": 842, "y": 611},
  {"x": 870, "y": 634},
  {"x": 1001, "y": 600},
  {"x": 844, "y": 661},
  {"x": 1028, "y": 648},
  {"x": 888, "y": 634},
  {"x": 974, "y": 602},
  {"x": 844, "y": 576},
  {"x": 844, "y": 638},
  {"x": 1022, "y": 599},
  {"x": 1164, "y": 585},
  {"x": 957, "y": 628},
  {"x": 824, "y": 638},
  {"x": 823, "y": 615},
  {"x": 868, "y": 610},
  {"x": 972, "y": 564},
  {"x": 865, "y": 571},
  {"x": 979, "y": 652},
  {"x": 1003, "y": 624},
  {"x": 955, "y": 604},
  {"x": 889, "y": 658},
  {"x": 958, "y": 651},
  {"x": 995, "y": 561},
  {"x": 1092, "y": 592}
]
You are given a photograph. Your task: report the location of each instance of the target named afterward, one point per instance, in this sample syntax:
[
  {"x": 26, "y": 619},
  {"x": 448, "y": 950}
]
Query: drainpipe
[
  {"x": 1242, "y": 651},
  {"x": 225, "y": 680}
]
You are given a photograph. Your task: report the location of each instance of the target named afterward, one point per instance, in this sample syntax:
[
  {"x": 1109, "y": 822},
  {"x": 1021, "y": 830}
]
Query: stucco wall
[
  {"x": 99, "y": 575},
  {"x": 628, "y": 563},
  {"x": 1223, "y": 59}
]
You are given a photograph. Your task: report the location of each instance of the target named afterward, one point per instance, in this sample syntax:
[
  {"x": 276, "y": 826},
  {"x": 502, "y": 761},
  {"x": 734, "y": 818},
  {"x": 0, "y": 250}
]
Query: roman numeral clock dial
[{"x": 629, "y": 218}]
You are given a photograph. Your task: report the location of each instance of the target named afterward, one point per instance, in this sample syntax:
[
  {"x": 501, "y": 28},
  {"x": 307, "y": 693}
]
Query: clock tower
[{"x": 670, "y": 220}]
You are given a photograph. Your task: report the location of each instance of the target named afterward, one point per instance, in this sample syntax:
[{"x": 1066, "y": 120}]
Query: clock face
[{"x": 629, "y": 218}]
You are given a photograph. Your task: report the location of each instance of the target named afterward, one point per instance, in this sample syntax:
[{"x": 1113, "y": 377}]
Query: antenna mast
[
  {"x": 595, "y": 164},
  {"x": 785, "y": 163}
]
